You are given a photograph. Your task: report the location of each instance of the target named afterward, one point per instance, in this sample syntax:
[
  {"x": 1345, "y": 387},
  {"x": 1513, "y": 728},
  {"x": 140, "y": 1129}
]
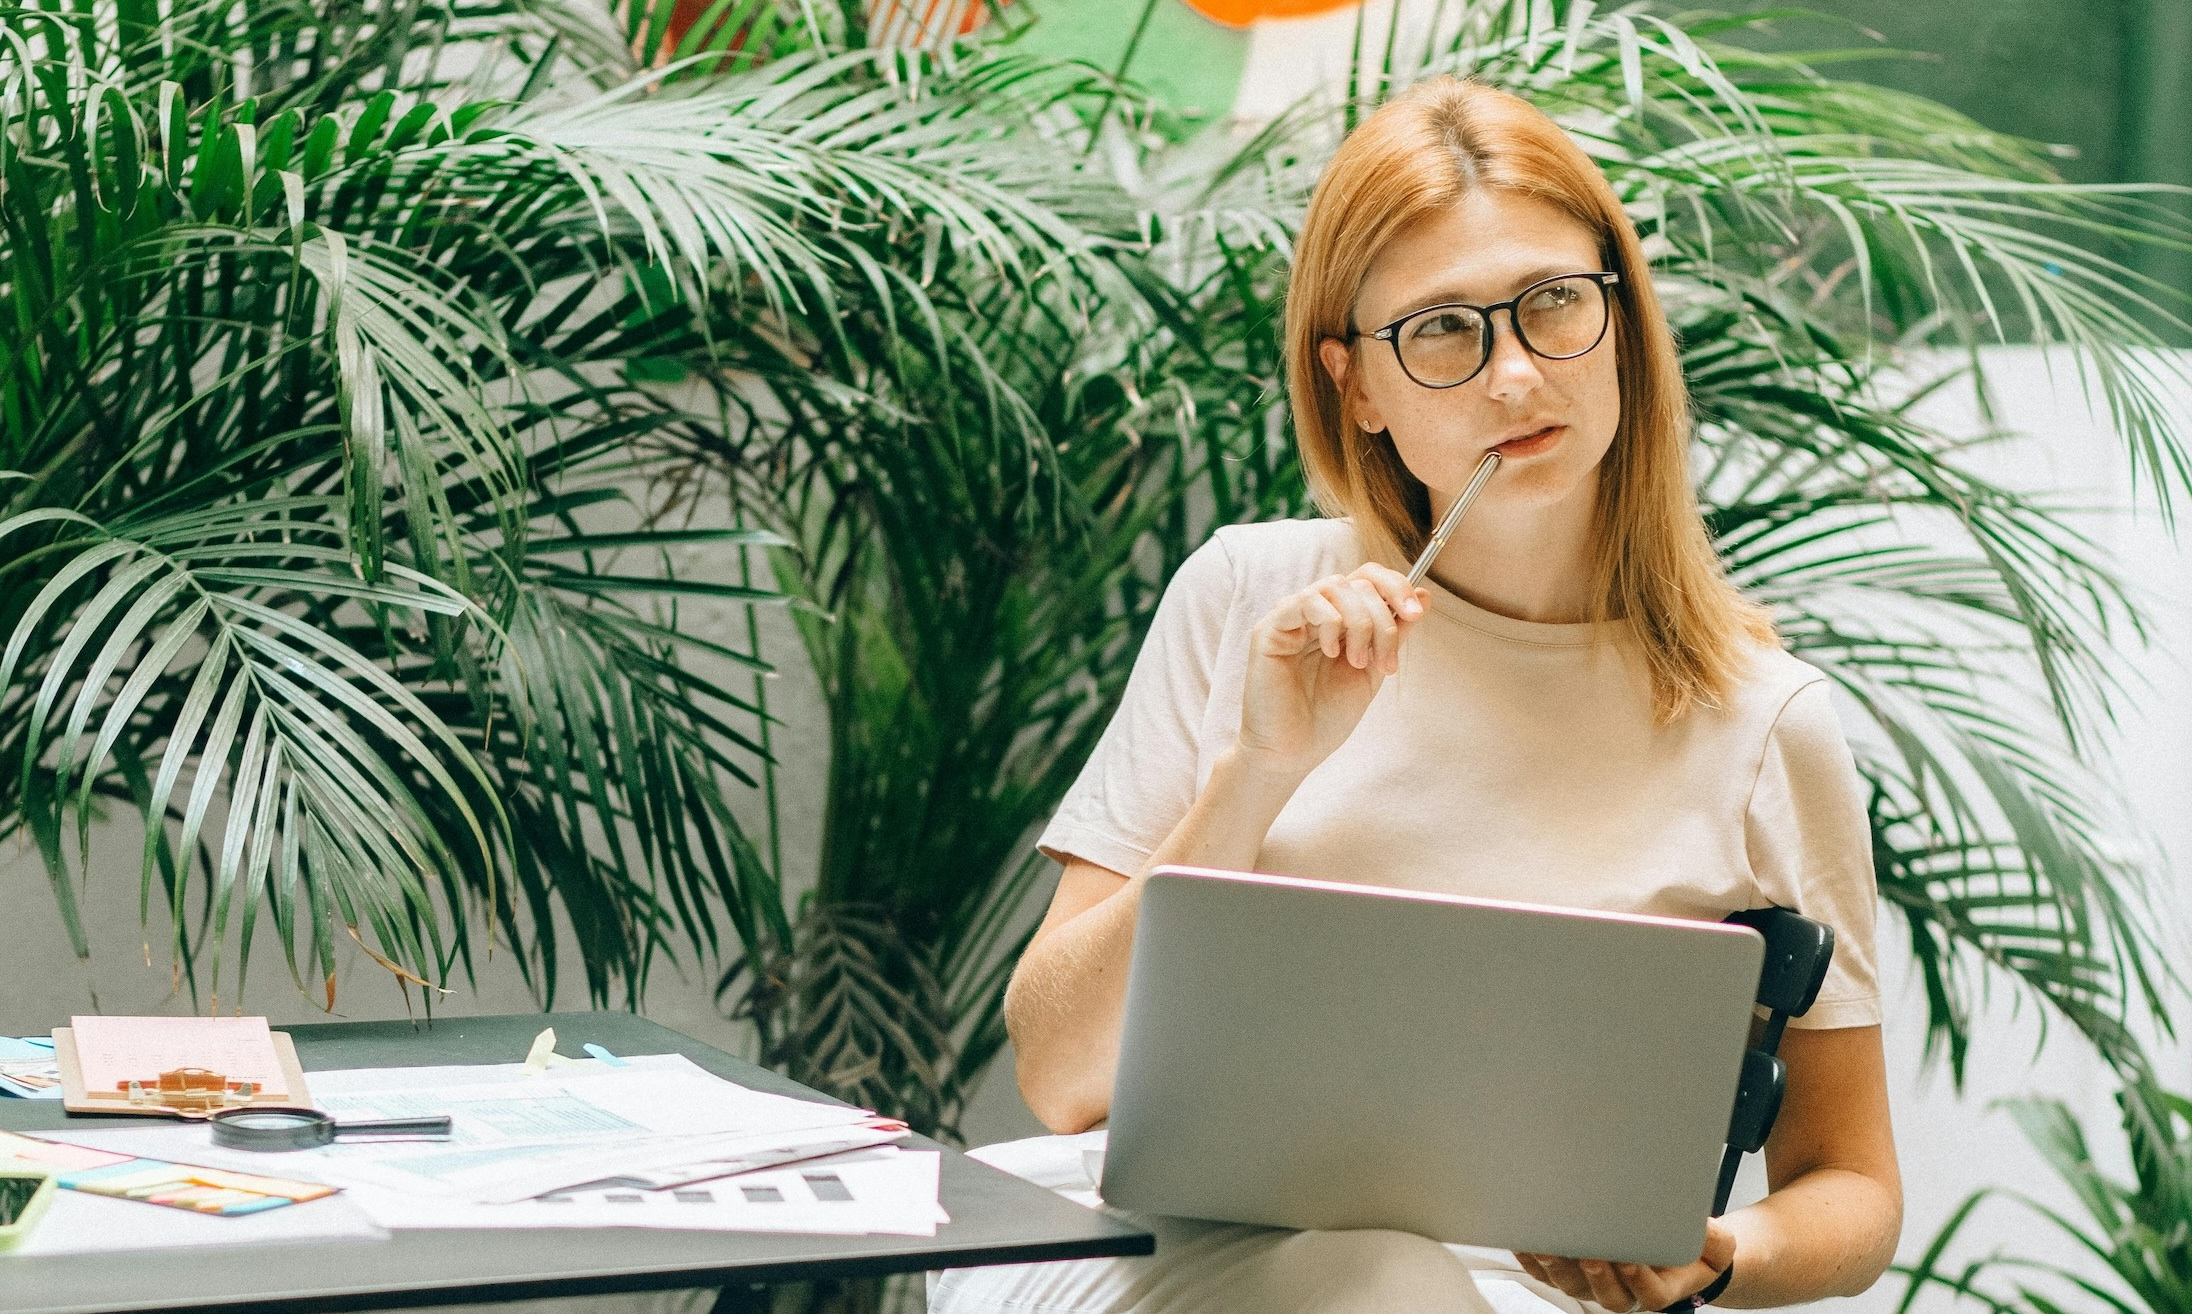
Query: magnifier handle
[{"x": 434, "y": 1126}]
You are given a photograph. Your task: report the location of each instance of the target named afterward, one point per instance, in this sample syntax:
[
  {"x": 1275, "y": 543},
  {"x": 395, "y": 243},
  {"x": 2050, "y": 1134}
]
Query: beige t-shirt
[{"x": 1507, "y": 759}]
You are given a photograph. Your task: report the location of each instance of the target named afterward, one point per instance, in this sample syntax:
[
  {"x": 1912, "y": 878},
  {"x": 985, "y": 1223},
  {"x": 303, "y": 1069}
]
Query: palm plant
[
  {"x": 989, "y": 599},
  {"x": 2140, "y": 1231},
  {"x": 994, "y": 548},
  {"x": 331, "y": 461}
]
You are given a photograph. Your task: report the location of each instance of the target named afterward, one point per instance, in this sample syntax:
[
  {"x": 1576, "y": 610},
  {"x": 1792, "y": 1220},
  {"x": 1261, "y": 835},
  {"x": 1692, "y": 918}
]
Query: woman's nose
[{"x": 1512, "y": 371}]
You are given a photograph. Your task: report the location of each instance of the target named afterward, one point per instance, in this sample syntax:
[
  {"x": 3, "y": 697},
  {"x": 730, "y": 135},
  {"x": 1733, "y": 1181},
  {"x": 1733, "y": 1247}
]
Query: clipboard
[{"x": 179, "y": 1091}]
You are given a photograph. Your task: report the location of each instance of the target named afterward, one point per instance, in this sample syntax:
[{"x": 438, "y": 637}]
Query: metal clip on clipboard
[{"x": 190, "y": 1092}]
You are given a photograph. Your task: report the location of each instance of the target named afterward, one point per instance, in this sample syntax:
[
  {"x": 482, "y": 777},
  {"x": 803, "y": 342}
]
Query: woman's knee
[
  {"x": 1212, "y": 1269},
  {"x": 1373, "y": 1271}
]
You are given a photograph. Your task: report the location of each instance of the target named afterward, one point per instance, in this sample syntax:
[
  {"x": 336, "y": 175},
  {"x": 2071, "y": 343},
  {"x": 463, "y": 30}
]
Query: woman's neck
[{"x": 1526, "y": 561}]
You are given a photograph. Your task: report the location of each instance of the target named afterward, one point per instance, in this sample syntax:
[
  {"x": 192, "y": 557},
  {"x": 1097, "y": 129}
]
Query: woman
[{"x": 1580, "y": 711}]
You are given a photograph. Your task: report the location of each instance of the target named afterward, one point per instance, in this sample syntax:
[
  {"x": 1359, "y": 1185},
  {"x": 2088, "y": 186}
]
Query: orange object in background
[{"x": 1240, "y": 13}]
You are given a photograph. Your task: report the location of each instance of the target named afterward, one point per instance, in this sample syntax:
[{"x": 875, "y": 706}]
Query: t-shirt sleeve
[
  {"x": 1143, "y": 775},
  {"x": 1810, "y": 849}
]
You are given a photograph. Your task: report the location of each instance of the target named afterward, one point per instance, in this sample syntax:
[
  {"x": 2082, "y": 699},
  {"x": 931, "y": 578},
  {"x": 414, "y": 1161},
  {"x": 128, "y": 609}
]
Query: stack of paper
[
  {"x": 656, "y": 1142},
  {"x": 518, "y": 1136},
  {"x": 27, "y": 1068}
]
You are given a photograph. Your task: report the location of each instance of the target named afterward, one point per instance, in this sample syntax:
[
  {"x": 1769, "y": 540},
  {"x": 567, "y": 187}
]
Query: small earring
[{"x": 1365, "y": 426}]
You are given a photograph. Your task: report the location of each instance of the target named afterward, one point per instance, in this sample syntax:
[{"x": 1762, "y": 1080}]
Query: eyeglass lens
[{"x": 1558, "y": 318}]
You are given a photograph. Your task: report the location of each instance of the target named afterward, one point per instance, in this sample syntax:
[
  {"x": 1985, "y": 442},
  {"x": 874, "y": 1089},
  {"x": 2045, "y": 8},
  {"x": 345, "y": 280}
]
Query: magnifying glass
[{"x": 271, "y": 1128}]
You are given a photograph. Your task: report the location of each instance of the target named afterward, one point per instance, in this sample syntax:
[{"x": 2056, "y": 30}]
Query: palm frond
[
  {"x": 2137, "y": 1231},
  {"x": 293, "y": 729}
]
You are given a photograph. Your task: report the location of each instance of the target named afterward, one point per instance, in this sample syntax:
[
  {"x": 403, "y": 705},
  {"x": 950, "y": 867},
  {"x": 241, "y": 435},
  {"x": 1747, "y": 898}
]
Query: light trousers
[{"x": 1234, "y": 1268}]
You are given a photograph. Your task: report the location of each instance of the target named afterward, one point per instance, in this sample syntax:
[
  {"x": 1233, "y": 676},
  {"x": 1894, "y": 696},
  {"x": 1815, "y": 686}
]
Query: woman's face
[{"x": 1550, "y": 420}]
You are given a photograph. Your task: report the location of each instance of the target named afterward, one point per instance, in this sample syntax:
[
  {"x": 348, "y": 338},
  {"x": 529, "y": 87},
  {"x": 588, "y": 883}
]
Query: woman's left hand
[{"x": 1622, "y": 1288}]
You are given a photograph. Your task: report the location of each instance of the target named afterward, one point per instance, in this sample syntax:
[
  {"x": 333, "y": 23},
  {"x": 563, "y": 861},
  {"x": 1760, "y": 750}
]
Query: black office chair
[{"x": 1798, "y": 950}]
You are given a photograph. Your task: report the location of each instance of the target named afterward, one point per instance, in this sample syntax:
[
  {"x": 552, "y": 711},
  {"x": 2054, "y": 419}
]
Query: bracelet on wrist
[
  {"x": 1714, "y": 1288},
  {"x": 1706, "y": 1296}
]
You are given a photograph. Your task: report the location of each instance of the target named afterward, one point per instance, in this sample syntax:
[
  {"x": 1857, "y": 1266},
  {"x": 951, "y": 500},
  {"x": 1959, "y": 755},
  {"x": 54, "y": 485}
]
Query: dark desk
[{"x": 996, "y": 1218}]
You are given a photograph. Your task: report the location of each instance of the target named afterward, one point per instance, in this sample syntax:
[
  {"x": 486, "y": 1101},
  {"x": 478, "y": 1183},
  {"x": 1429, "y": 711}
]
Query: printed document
[
  {"x": 881, "y": 1191},
  {"x": 658, "y": 1142}
]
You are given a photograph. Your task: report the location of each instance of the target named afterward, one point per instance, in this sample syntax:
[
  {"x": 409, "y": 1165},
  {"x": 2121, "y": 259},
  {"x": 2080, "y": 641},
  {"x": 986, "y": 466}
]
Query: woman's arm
[
  {"x": 1067, "y": 999},
  {"x": 1831, "y": 1223},
  {"x": 1315, "y": 661}
]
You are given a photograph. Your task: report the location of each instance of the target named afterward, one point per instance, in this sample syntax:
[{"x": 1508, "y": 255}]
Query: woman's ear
[
  {"x": 1338, "y": 362},
  {"x": 1332, "y": 353}
]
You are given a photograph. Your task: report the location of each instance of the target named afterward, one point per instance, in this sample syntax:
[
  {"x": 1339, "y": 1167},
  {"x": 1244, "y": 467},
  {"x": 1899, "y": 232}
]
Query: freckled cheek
[
  {"x": 1436, "y": 432},
  {"x": 1598, "y": 408}
]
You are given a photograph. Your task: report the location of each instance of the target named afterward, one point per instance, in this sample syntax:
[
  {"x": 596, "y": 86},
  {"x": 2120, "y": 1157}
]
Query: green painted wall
[
  {"x": 2110, "y": 78},
  {"x": 2045, "y": 69},
  {"x": 1191, "y": 63}
]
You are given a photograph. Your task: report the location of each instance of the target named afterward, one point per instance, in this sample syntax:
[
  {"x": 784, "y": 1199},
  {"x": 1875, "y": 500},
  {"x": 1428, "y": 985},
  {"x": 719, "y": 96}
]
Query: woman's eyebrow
[{"x": 1451, "y": 292}]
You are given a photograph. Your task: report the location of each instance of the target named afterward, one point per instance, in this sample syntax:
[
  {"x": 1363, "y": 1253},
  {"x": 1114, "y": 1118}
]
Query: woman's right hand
[{"x": 1315, "y": 661}]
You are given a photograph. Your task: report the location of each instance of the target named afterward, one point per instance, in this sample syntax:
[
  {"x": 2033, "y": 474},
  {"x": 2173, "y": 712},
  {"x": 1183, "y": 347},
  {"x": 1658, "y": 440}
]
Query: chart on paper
[{"x": 882, "y": 1190}]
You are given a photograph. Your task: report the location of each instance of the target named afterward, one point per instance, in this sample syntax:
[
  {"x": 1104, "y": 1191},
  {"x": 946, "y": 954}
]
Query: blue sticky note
[
  {"x": 605, "y": 1056},
  {"x": 27, "y": 1047}
]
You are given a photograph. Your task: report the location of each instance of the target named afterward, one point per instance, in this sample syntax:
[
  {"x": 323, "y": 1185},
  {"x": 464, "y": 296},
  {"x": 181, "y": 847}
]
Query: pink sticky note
[
  {"x": 113, "y": 1051},
  {"x": 55, "y": 1154}
]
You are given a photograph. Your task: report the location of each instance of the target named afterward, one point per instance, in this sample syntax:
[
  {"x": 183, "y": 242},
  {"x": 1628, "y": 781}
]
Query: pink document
[{"x": 114, "y": 1051}]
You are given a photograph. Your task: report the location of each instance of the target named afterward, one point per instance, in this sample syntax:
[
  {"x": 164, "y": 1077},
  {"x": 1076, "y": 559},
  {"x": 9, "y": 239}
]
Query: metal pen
[{"x": 1452, "y": 518}]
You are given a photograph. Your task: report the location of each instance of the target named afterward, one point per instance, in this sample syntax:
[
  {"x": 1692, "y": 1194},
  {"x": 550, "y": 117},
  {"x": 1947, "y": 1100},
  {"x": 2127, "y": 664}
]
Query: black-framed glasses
[{"x": 1557, "y": 318}]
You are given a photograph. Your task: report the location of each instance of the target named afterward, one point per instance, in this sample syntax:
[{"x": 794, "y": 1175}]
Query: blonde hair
[{"x": 1423, "y": 152}]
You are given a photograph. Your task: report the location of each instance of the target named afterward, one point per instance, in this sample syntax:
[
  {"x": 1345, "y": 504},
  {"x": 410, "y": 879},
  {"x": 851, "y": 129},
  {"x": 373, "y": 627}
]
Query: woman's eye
[
  {"x": 1555, "y": 298},
  {"x": 1443, "y": 324}
]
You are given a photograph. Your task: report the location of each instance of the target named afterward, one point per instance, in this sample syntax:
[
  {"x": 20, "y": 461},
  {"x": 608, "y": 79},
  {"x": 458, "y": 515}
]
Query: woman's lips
[{"x": 1531, "y": 444}]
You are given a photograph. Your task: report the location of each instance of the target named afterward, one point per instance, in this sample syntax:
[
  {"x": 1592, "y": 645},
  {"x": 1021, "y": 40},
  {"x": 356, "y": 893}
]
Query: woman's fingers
[
  {"x": 1616, "y": 1287},
  {"x": 1327, "y": 624},
  {"x": 1368, "y": 632},
  {"x": 1620, "y": 1287},
  {"x": 1386, "y": 631},
  {"x": 1564, "y": 1273},
  {"x": 1370, "y": 627},
  {"x": 1358, "y": 618},
  {"x": 1653, "y": 1288},
  {"x": 1607, "y": 1288},
  {"x": 1405, "y": 603},
  {"x": 1348, "y": 634}
]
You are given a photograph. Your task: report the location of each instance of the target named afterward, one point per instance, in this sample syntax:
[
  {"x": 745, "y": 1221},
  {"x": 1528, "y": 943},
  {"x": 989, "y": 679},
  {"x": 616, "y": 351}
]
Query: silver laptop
[{"x": 1317, "y": 1055}]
